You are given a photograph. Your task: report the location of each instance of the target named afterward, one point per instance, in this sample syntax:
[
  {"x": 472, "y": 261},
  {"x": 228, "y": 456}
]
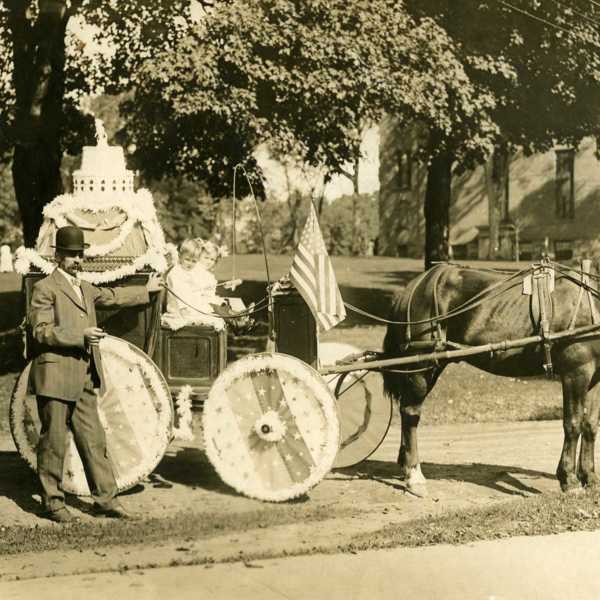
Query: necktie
[{"x": 77, "y": 287}]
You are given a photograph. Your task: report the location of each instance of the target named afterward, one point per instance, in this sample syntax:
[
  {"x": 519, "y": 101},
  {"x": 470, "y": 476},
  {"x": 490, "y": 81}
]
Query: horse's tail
[
  {"x": 392, "y": 382},
  {"x": 415, "y": 305},
  {"x": 395, "y": 337}
]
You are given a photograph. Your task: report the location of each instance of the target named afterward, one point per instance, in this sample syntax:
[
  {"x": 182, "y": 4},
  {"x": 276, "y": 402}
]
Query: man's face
[{"x": 70, "y": 261}]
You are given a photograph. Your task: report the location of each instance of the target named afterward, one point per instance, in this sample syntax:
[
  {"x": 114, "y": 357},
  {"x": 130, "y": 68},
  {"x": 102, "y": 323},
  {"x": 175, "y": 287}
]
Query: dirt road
[{"x": 466, "y": 465}]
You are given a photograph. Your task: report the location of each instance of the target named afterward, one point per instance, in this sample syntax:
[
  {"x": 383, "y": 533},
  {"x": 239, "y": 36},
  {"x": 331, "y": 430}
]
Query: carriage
[
  {"x": 156, "y": 373},
  {"x": 273, "y": 426}
]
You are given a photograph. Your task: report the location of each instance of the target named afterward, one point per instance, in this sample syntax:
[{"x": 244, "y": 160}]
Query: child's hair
[
  {"x": 208, "y": 247},
  {"x": 189, "y": 248}
]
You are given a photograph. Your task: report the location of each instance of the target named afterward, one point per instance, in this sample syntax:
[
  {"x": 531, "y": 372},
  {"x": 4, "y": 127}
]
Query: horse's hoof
[
  {"x": 417, "y": 489},
  {"x": 571, "y": 488},
  {"x": 416, "y": 483}
]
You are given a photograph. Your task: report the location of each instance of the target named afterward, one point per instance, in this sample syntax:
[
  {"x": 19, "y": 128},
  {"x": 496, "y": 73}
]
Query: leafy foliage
[
  {"x": 302, "y": 76},
  {"x": 336, "y": 224},
  {"x": 539, "y": 60}
]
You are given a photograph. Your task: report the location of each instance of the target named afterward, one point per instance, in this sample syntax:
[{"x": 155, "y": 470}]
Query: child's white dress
[{"x": 193, "y": 289}]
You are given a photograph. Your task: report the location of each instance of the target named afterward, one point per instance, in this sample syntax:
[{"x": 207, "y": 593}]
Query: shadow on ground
[
  {"x": 190, "y": 467},
  {"x": 509, "y": 480},
  {"x": 18, "y": 482}
]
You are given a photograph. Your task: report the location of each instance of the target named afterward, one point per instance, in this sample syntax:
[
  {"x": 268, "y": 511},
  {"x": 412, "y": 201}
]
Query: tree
[
  {"x": 46, "y": 71},
  {"x": 303, "y": 75},
  {"x": 540, "y": 64},
  {"x": 10, "y": 232},
  {"x": 337, "y": 224}
]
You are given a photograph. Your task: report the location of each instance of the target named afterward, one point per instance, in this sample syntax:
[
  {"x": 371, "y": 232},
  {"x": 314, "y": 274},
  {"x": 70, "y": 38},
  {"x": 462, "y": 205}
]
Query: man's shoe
[
  {"x": 114, "y": 511},
  {"x": 61, "y": 515}
]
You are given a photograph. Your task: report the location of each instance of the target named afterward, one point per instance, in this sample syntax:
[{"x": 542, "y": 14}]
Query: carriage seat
[{"x": 192, "y": 355}]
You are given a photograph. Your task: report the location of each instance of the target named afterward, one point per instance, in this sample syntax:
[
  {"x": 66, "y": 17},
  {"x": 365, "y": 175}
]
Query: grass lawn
[
  {"x": 464, "y": 394},
  {"x": 383, "y": 272},
  {"x": 544, "y": 515}
]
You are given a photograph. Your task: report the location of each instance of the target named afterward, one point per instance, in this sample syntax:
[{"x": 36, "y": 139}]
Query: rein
[
  {"x": 260, "y": 305},
  {"x": 484, "y": 296}
]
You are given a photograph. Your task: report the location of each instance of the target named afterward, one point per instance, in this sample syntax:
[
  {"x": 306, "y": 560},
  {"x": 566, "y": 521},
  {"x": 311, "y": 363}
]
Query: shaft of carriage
[{"x": 451, "y": 355}]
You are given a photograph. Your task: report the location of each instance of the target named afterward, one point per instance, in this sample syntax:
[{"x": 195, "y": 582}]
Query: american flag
[{"x": 313, "y": 276}]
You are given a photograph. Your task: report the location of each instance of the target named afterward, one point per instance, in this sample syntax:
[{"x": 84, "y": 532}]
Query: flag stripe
[{"x": 313, "y": 275}]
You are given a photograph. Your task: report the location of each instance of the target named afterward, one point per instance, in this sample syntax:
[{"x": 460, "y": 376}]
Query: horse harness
[{"x": 538, "y": 283}]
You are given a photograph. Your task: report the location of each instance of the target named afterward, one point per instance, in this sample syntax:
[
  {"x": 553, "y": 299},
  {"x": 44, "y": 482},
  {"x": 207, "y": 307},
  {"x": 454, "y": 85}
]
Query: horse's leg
[
  {"x": 574, "y": 386},
  {"x": 413, "y": 394},
  {"x": 586, "y": 470}
]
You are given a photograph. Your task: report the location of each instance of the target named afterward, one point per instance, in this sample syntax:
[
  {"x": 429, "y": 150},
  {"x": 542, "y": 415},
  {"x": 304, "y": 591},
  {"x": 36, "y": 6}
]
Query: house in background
[{"x": 552, "y": 202}]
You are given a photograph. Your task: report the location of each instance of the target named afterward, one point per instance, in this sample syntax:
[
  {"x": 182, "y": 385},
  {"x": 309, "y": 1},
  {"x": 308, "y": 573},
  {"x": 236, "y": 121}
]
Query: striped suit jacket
[{"x": 57, "y": 318}]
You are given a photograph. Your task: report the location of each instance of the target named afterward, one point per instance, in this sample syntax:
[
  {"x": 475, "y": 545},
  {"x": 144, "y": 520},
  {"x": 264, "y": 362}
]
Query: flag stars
[{"x": 262, "y": 392}]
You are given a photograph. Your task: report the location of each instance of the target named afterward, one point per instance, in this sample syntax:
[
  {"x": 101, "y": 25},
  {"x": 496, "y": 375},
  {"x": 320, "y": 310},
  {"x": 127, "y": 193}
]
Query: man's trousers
[{"x": 82, "y": 417}]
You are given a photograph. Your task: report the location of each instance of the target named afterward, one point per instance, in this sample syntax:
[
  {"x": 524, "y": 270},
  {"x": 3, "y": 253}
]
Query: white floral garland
[
  {"x": 25, "y": 257},
  {"x": 183, "y": 408},
  {"x": 138, "y": 206},
  {"x": 164, "y": 410},
  {"x": 215, "y": 426}
]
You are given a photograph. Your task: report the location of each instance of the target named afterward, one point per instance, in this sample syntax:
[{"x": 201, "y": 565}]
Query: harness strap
[
  {"x": 434, "y": 321},
  {"x": 542, "y": 280},
  {"x": 438, "y": 334},
  {"x": 543, "y": 293},
  {"x": 409, "y": 304}
]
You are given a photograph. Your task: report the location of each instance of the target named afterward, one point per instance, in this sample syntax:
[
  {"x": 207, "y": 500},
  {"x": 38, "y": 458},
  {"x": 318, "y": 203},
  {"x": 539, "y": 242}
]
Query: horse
[{"x": 450, "y": 307}]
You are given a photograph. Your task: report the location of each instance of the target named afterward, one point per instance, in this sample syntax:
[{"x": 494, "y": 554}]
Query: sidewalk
[{"x": 563, "y": 567}]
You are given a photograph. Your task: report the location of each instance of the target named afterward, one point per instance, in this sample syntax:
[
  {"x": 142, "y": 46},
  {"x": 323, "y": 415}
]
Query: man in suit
[{"x": 66, "y": 373}]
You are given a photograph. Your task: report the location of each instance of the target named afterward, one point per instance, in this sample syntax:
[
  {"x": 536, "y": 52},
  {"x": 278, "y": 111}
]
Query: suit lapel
[{"x": 67, "y": 289}]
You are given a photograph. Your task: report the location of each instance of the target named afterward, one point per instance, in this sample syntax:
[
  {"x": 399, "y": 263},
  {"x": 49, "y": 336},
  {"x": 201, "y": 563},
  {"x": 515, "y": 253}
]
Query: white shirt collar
[{"x": 74, "y": 281}]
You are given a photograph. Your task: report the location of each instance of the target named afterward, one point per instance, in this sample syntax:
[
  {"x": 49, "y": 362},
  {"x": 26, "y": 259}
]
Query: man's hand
[
  {"x": 93, "y": 335},
  {"x": 154, "y": 283}
]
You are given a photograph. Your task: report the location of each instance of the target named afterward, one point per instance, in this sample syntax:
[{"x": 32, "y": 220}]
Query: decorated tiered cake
[
  {"x": 102, "y": 171},
  {"x": 119, "y": 223}
]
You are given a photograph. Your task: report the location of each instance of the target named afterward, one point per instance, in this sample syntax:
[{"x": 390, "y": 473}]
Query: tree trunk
[
  {"x": 497, "y": 198},
  {"x": 437, "y": 207},
  {"x": 38, "y": 77}
]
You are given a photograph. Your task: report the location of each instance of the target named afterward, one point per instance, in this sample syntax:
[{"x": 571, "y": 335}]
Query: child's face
[
  {"x": 187, "y": 262},
  {"x": 208, "y": 260}
]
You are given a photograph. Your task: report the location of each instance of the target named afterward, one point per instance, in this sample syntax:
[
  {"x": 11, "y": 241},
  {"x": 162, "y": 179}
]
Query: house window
[
  {"x": 526, "y": 251},
  {"x": 563, "y": 250},
  {"x": 405, "y": 172},
  {"x": 565, "y": 184}
]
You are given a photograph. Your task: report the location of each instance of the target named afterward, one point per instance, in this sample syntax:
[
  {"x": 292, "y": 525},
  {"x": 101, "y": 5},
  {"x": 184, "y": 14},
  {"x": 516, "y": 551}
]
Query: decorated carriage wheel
[
  {"x": 270, "y": 427},
  {"x": 136, "y": 412},
  {"x": 364, "y": 411}
]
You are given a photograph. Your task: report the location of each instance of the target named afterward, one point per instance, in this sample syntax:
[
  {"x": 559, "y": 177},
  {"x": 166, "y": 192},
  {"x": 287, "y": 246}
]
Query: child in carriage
[{"x": 192, "y": 287}]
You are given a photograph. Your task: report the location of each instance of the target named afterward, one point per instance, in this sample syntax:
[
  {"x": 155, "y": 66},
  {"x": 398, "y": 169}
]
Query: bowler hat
[{"x": 70, "y": 238}]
